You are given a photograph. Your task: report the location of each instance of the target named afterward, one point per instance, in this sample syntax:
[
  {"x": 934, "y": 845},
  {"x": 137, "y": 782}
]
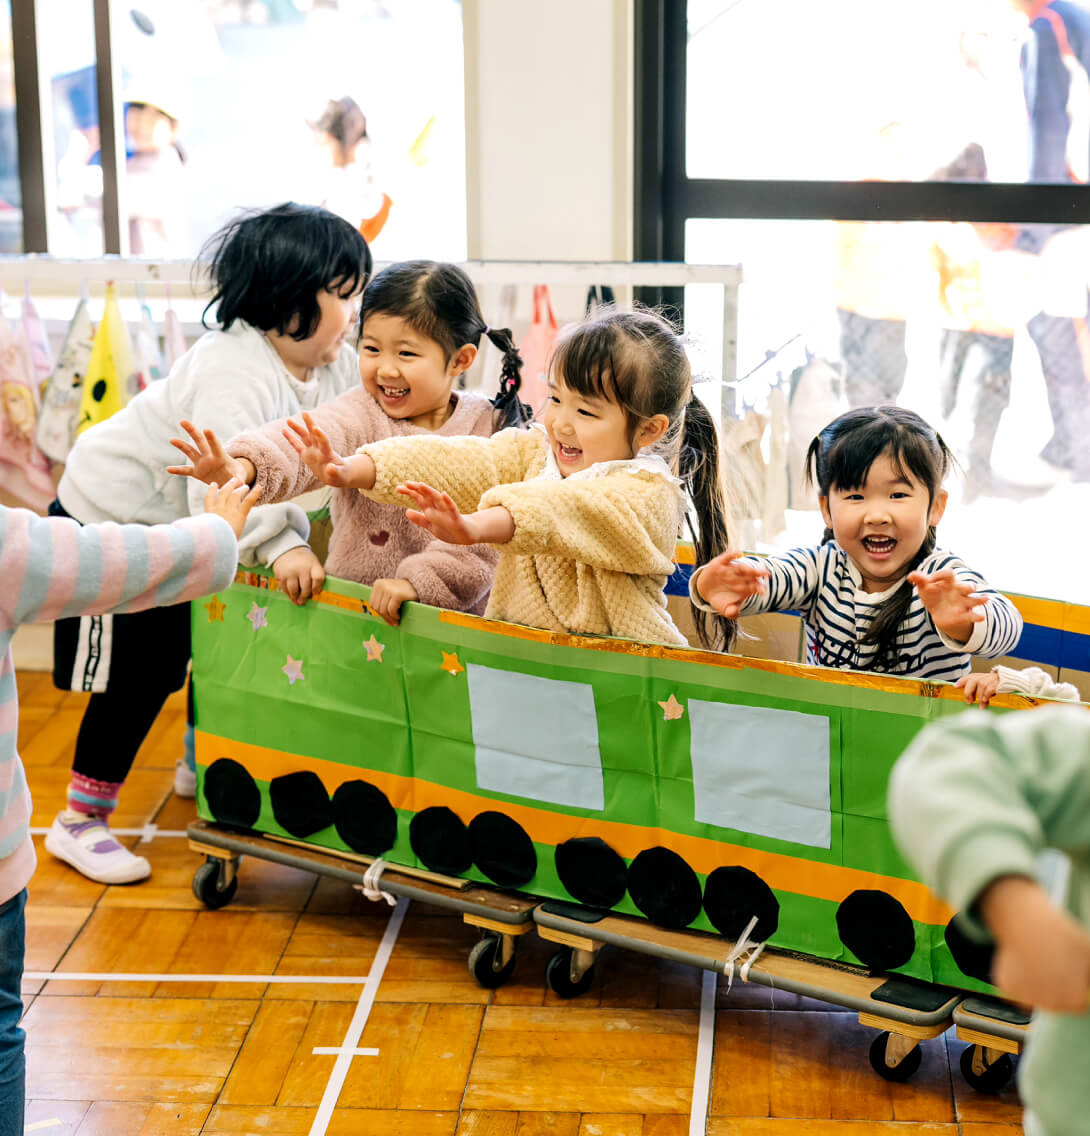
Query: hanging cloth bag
[
  {"x": 60, "y": 406},
  {"x": 535, "y": 349},
  {"x": 24, "y": 469}
]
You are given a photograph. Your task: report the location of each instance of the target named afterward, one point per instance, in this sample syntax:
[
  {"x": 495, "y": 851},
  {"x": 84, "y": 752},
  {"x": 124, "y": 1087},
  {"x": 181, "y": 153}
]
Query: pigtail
[
  {"x": 700, "y": 468},
  {"x": 510, "y": 410}
]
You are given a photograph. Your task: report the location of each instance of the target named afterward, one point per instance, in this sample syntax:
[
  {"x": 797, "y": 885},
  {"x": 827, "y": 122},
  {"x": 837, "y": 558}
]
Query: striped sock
[{"x": 95, "y": 798}]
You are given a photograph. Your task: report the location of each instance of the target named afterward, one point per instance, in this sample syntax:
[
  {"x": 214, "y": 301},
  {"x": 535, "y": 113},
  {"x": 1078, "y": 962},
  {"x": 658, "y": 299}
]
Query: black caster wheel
[
  {"x": 903, "y": 1070},
  {"x": 981, "y": 1076},
  {"x": 558, "y": 975},
  {"x": 207, "y": 885},
  {"x": 484, "y": 963}
]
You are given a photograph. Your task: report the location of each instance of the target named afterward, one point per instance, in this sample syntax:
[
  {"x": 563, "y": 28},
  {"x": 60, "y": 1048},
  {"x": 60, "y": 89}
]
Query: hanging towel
[
  {"x": 173, "y": 337},
  {"x": 24, "y": 469},
  {"x": 536, "y": 348},
  {"x": 147, "y": 358},
  {"x": 110, "y": 370},
  {"x": 60, "y": 406},
  {"x": 41, "y": 358}
]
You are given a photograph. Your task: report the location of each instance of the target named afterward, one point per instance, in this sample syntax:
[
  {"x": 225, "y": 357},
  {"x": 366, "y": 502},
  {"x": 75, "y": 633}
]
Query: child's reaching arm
[
  {"x": 53, "y": 567},
  {"x": 968, "y": 614},
  {"x": 734, "y": 585},
  {"x": 1030, "y": 681},
  {"x": 972, "y": 802}
]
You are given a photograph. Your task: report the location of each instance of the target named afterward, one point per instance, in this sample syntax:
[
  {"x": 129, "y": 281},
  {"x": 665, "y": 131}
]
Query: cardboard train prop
[{"x": 739, "y": 796}]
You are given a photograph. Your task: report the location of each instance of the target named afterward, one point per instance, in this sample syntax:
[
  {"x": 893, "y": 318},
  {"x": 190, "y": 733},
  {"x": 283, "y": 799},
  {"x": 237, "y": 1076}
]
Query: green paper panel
[{"x": 407, "y": 718}]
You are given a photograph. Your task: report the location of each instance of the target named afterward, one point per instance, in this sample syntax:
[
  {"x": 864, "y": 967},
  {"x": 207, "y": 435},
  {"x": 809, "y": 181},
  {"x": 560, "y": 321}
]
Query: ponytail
[
  {"x": 509, "y": 409},
  {"x": 700, "y": 467}
]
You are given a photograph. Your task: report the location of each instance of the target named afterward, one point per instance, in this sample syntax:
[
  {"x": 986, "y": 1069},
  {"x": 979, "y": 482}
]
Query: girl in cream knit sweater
[{"x": 586, "y": 520}]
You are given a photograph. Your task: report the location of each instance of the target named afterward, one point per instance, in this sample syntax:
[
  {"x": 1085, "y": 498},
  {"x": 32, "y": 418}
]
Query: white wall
[{"x": 549, "y": 129}]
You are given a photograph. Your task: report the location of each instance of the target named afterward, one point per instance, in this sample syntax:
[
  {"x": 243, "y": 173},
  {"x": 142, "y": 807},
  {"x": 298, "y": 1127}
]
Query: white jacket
[{"x": 228, "y": 381}]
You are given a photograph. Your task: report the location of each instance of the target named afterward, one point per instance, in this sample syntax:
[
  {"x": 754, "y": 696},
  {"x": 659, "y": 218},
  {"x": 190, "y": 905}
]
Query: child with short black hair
[
  {"x": 287, "y": 285},
  {"x": 876, "y": 594}
]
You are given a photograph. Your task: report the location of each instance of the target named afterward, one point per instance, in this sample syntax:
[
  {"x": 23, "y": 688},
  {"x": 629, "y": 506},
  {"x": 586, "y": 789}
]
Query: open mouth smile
[
  {"x": 568, "y": 453},
  {"x": 879, "y": 546},
  {"x": 393, "y": 392}
]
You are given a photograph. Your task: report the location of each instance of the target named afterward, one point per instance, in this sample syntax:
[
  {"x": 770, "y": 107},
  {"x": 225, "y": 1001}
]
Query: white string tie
[
  {"x": 740, "y": 947},
  {"x": 370, "y": 887}
]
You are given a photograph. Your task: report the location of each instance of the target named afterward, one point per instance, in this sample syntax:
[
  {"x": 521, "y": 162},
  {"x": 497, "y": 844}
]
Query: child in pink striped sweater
[{"x": 53, "y": 567}]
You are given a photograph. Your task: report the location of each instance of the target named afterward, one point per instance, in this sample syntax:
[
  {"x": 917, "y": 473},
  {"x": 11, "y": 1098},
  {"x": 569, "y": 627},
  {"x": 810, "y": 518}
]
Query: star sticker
[
  {"x": 671, "y": 709},
  {"x": 258, "y": 616},
  {"x": 215, "y": 610},
  {"x": 451, "y": 664},
  {"x": 374, "y": 650},
  {"x": 293, "y": 668}
]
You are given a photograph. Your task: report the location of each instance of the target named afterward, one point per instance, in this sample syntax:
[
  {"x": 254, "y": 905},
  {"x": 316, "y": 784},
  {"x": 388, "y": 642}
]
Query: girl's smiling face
[
  {"x": 407, "y": 373},
  {"x": 584, "y": 430},
  {"x": 882, "y": 523}
]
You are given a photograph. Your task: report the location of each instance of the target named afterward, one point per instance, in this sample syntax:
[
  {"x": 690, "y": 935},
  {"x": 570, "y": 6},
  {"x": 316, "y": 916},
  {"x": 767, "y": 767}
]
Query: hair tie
[{"x": 486, "y": 331}]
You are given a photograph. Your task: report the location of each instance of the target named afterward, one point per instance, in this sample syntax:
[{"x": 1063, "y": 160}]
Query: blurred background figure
[
  {"x": 350, "y": 189},
  {"x": 154, "y": 158}
]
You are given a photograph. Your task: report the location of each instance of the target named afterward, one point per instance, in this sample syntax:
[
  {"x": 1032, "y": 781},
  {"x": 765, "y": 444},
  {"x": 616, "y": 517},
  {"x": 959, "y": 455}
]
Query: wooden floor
[{"x": 155, "y": 1057}]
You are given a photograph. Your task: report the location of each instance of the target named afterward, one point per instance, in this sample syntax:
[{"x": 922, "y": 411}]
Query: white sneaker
[
  {"x": 88, "y": 845},
  {"x": 185, "y": 781}
]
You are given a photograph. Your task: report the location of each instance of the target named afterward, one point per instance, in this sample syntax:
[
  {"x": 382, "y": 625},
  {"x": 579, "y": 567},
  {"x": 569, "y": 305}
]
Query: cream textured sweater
[{"x": 591, "y": 552}]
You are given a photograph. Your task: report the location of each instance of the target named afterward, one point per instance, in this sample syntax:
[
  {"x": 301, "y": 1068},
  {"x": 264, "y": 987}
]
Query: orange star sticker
[
  {"x": 374, "y": 650},
  {"x": 671, "y": 709},
  {"x": 215, "y": 610},
  {"x": 451, "y": 664}
]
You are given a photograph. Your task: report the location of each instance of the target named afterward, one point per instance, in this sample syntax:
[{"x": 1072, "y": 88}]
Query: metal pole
[
  {"x": 111, "y": 126},
  {"x": 34, "y": 143}
]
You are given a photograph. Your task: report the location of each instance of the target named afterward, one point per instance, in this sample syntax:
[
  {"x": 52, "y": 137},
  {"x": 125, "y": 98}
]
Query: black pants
[
  {"x": 874, "y": 357},
  {"x": 131, "y": 663},
  {"x": 1064, "y": 347},
  {"x": 975, "y": 372}
]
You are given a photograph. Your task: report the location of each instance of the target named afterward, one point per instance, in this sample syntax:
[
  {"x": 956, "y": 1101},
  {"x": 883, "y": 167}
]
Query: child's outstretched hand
[
  {"x": 952, "y": 604},
  {"x": 210, "y": 462},
  {"x": 312, "y": 445},
  {"x": 979, "y": 688},
  {"x": 1042, "y": 954},
  {"x": 232, "y": 502},
  {"x": 727, "y": 582},
  {"x": 438, "y": 513}
]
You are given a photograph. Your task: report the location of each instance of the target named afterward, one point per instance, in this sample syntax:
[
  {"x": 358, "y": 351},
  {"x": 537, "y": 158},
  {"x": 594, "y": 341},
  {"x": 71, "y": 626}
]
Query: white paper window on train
[
  {"x": 536, "y": 737},
  {"x": 762, "y": 771}
]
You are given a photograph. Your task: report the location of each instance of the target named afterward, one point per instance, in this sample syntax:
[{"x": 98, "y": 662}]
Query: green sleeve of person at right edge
[{"x": 977, "y": 797}]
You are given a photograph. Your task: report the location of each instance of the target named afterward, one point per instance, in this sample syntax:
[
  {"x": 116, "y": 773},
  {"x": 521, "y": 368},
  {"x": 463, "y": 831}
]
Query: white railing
[{"x": 55, "y": 276}]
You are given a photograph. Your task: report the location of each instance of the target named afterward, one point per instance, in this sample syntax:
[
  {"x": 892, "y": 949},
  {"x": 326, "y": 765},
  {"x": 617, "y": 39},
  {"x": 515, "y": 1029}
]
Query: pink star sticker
[
  {"x": 671, "y": 709},
  {"x": 293, "y": 668},
  {"x": 374, "y": 650},
  {"x": 258, "y": 616}
]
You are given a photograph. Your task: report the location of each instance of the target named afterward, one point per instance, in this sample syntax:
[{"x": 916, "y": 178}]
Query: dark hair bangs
[
  {"x": 268, "y": 268},
  {"x": 585, "y": 361},
  {"x": 849, "y": 446}
]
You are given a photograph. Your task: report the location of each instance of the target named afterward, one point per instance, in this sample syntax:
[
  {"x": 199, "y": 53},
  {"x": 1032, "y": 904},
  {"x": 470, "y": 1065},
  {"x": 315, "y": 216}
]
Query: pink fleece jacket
[{"x": 372, "y": 541}]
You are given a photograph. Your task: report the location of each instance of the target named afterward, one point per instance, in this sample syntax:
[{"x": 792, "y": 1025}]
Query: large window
[
  {"x": 866, "y": 163},
  {"x": 229, "y": 104}
]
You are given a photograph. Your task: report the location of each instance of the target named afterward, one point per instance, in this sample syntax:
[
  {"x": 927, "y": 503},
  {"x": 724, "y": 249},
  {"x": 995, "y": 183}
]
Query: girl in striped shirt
[
  {"x": 876, "y": 595},
  {"x": 51, "y": 568}
]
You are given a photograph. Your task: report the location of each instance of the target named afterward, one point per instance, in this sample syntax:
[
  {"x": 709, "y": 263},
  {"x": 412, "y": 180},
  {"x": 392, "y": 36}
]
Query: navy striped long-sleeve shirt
[{"x": 825, "y": 587}]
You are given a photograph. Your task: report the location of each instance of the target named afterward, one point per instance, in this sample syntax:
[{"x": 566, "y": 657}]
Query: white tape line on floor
[
  {"x": 359, "y": 1021},
  {"x": 705, "y": 1047}
]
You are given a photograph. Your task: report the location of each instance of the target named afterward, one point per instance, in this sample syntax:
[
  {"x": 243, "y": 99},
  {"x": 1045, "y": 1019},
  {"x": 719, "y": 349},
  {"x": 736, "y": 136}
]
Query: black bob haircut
[{"x": 268, "y": 267}]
